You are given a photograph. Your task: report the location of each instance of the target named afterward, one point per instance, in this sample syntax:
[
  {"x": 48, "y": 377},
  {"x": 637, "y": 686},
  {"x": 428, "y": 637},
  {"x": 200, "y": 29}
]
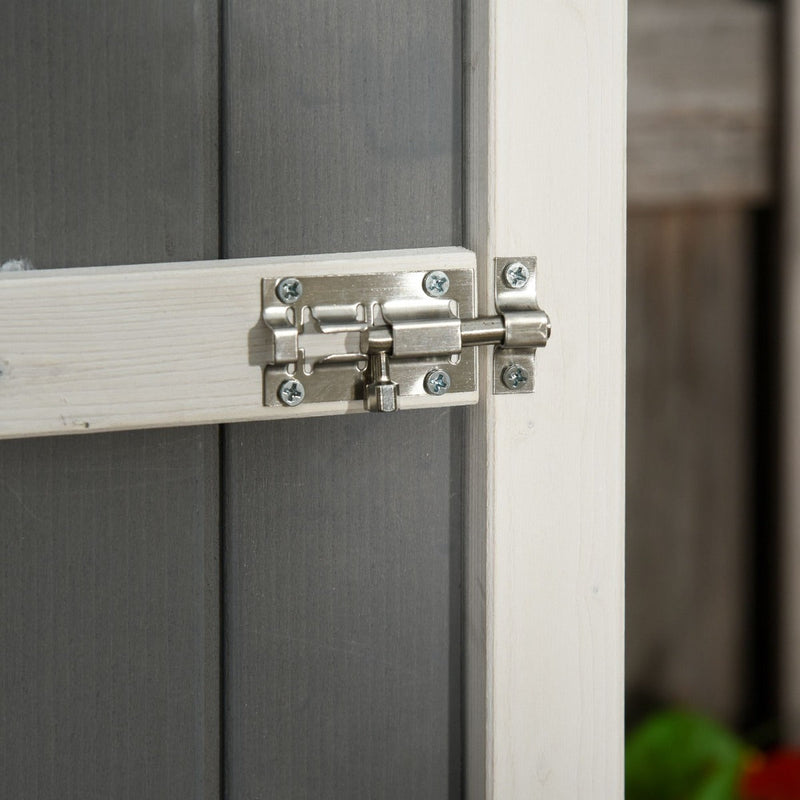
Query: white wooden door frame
[
  {"x": 545, "y": 175},
  {"x": 131, "y": 347}
]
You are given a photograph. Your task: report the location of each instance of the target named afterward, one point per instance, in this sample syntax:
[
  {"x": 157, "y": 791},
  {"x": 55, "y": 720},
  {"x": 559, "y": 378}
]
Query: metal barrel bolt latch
[{"x": 377, "y": 338}]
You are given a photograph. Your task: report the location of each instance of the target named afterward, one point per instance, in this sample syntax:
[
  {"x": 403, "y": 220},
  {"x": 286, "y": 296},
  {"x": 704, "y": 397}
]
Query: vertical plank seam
[{"x": 222, "y": 248}]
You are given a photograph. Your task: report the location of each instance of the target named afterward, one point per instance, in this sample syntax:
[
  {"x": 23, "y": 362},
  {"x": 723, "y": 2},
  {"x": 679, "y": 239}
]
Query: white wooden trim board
[
  {"x": 545, "y": 176},
  {"x": 109, "y": 348}
]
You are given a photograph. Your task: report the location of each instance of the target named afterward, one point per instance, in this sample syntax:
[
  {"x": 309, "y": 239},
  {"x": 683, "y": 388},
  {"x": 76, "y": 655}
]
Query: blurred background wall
[{"x": 704, "y": 170}]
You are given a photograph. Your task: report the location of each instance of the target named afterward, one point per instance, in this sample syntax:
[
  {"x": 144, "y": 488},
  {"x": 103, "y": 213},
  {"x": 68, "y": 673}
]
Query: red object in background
[{"x": 772, "y": 777}]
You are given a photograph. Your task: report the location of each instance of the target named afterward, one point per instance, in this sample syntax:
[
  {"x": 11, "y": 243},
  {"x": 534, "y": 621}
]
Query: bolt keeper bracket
[{"x": 375, "y": 338}]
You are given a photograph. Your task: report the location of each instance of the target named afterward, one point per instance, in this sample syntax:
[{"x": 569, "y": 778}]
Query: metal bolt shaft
[{"x": 483, "y": 330}]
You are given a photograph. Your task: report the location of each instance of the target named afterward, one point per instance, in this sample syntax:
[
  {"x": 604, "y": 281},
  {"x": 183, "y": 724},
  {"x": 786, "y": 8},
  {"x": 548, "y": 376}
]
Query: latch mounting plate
[{"x": 320, "y": 339}]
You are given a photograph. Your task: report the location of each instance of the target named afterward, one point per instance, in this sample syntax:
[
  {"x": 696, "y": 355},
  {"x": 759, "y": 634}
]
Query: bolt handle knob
[{"x": 380, "y": 391}]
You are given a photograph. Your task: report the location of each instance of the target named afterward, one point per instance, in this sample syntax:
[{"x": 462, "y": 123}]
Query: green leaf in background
[{"x": 678, "y": 755}]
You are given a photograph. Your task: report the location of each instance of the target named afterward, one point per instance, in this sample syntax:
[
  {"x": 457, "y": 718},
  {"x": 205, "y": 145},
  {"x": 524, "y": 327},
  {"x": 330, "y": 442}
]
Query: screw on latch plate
[
  {"x": 437, "y": 382},
  {"x": 436, "y": 283},
  {"x": 291, "y": 392},
  {"x": 289, "y": 290}
]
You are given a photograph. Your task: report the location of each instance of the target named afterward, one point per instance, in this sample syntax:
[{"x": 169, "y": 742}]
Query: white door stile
[{"x": 545, "y": 102}]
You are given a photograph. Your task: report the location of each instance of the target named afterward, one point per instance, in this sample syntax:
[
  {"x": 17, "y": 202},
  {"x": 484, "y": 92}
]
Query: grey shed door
[{"x": 268, "y": 610}]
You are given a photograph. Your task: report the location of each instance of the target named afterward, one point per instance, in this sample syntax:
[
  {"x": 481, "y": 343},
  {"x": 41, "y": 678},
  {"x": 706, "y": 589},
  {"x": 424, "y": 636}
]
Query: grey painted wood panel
[
  {"x": 344, "y": 126},
  {"x": 342, "y": 608},
  {"x": 342, "y": 537},
  {"x": 109, "y": 608},
  {"x": 108, "y": 670},
  {"x": 109, "y": 131}
]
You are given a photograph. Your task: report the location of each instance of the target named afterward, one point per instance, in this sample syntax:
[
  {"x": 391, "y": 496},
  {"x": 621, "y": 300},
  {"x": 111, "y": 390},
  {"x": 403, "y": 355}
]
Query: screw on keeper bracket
[
  {"x": 514, "y": 377},
  {"x": 516, "y": 275}
]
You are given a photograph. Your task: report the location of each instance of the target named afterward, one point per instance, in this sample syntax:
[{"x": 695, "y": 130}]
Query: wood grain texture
[
  {"x": 344, "y": 126},
  {"x": 689, "y": 497},
  {"x": 98, "y": 349},
  {"x": 790, "y": 390},
  {"x": 343, "y": 536},
  {"x": 342, "y": 617},
  {"x": 545, "y": 175},
  {"x": 109, "y": 674},
  {"x": 109, "y": 666},
  {"x": 701, "y": 100},
  {"x": 110, "y": 126}
]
